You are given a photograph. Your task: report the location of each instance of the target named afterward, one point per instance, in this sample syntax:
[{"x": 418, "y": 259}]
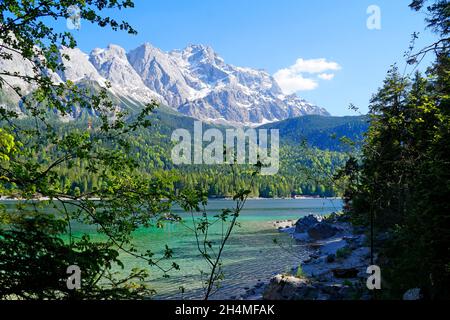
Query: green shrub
[{"x": 300, "y": 273}]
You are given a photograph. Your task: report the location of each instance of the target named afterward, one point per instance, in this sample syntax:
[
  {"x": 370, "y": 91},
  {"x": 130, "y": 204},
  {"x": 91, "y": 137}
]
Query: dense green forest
[
  {"x": 306, "y": 165},
  {"x": 325, "y": 133},
  {"x": 400, "y": 186}
]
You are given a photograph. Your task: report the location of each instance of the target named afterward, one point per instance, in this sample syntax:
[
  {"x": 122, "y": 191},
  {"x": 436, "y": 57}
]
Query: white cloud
[
  {"x": 290, "y": 82},
  {"x": 292, "y": 79},
  {"x": 326, "y": 76},
  {"x": 314, "y": 65}
]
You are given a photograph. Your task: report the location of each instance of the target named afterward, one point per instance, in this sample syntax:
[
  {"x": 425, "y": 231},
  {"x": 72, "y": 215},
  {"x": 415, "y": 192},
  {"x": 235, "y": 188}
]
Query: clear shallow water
[{"x": 250, "y": 254}]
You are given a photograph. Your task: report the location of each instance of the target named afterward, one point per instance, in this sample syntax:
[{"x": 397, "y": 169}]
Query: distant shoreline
[
  {"x": 211, "y": 198},
  {"x": 42, "y": 199},
  {"x": 277, "y": 198}
]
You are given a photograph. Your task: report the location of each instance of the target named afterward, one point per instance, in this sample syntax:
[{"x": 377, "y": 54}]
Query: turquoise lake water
[{"x": 250, "y": 254}]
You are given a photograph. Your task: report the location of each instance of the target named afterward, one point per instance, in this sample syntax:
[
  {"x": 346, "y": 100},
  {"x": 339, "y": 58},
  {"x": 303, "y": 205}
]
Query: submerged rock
[{"x": 284, "y": 224}]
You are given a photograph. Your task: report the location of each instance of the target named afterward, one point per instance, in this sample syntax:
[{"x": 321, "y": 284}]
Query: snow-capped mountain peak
[
  {"x": 77, "y": 66},
  {"x": 195, "y": 81},
  {"x": 113, "y": 65}
]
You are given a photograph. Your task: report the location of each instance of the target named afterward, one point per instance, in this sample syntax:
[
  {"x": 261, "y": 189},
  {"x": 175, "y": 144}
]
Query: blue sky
[{"x": 274, "y": 34}]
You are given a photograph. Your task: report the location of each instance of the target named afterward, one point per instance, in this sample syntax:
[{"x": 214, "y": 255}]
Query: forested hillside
[
  {"x": 306, "y": 165},
  {"x": 323, "y": 132}
]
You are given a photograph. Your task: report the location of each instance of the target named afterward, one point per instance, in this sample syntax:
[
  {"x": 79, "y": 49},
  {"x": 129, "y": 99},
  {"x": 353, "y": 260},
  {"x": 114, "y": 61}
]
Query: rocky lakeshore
[{"x": 335, "y": 269}]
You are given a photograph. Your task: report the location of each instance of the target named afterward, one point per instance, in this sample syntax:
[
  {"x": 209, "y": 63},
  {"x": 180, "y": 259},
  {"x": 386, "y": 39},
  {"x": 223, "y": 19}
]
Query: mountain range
[{"x": 194, "y": 81}]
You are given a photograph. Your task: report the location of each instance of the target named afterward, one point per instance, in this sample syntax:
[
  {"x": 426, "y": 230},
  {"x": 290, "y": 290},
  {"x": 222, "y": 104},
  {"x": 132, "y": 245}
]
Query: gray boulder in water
[
  {"x": 303, "y": 224},
  {"x": 322, "y": 230}
]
